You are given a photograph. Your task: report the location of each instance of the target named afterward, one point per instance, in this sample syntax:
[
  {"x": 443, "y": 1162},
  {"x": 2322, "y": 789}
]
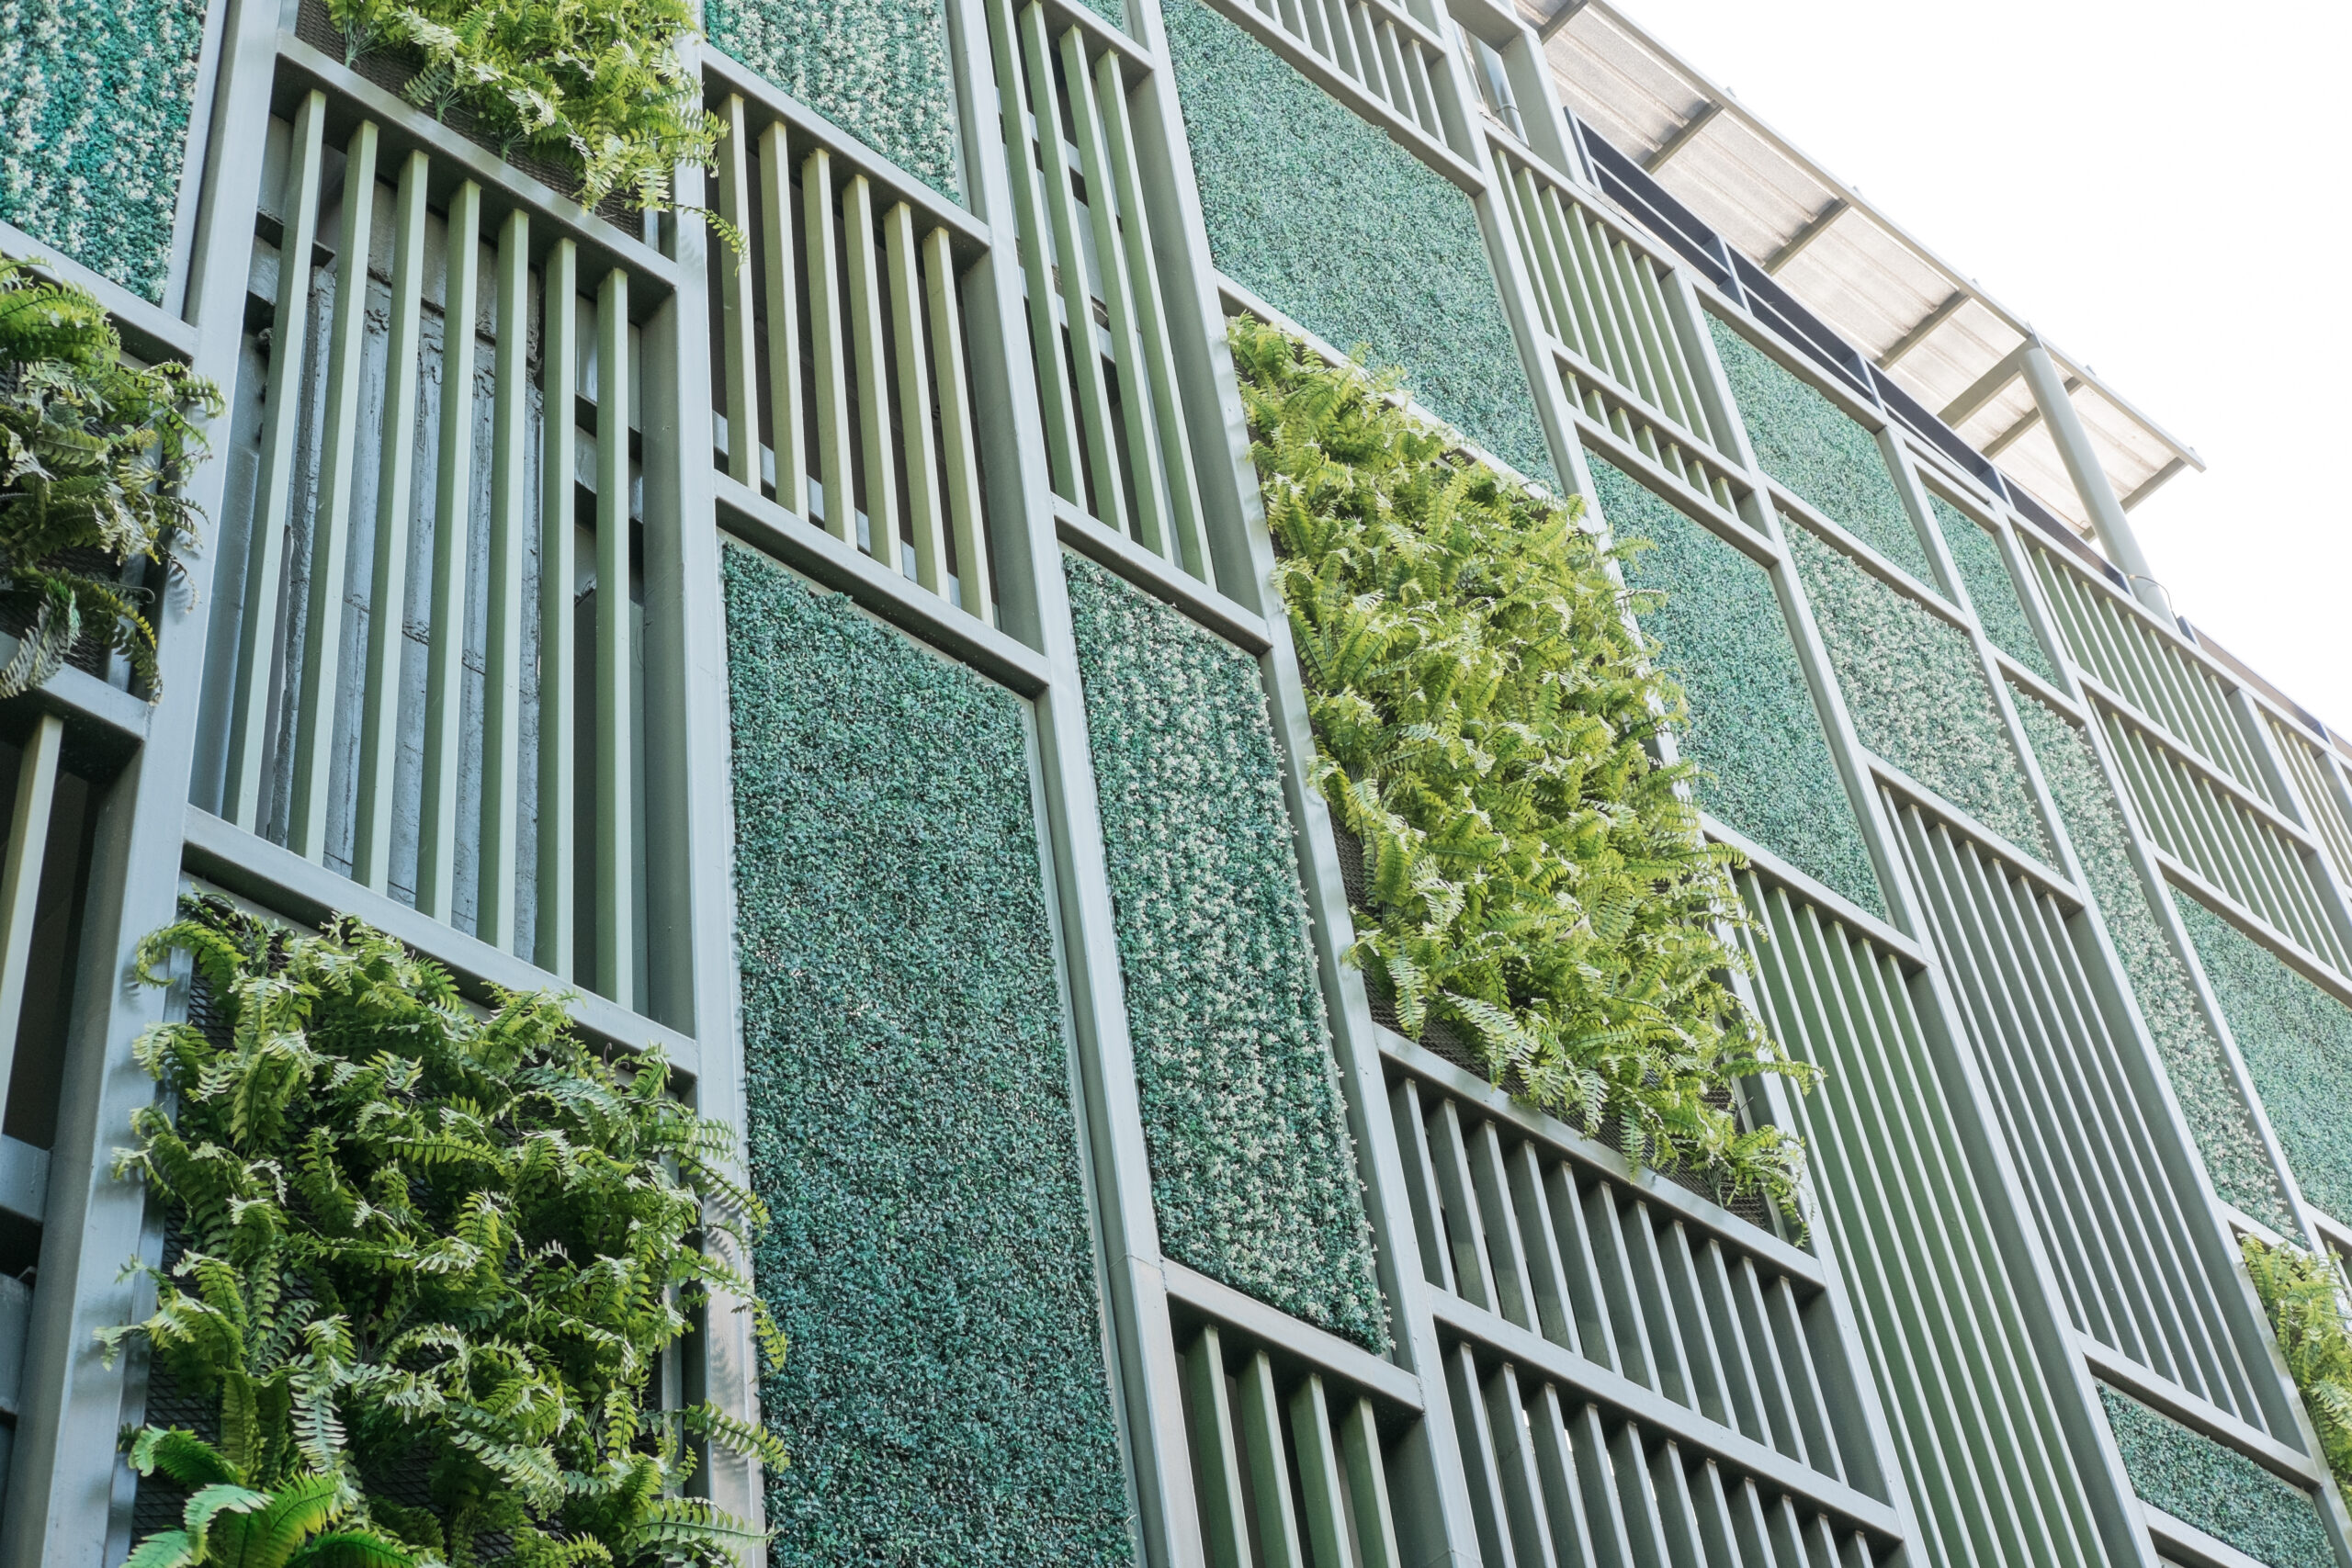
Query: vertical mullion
[
  {"x": 1186, "y": 522},
  {"x": 1319, "y": 1475},
  {"x": 1261, "y": 1426},
  {"x": 1503, "y": 1245},
  {"x": 870, "y": 356},
  {"x": 739, "y": 354},
  {"x": 1539, "y": 1244},
  {"x": 1420, "y": 1184},
  {"x": 1062, "y": 206},
  {"x": 835, "y": 463},
  {"x": 510, "y": 492},
  {"x": 1474, "y": 1279},
  {"x": 923, "y": 496},
  {"x": 957, "y": 435},
  {"x": 1217, "y": 1466},
  {"x": 616, "y": 656},
  {"x": 1368, "y": 1489},
  {"x": 785, "y": 413},
  {"x": 436, "y": 846},
  {"x": 559, "y": 578},
  {"x": 313, "y": 722},
  {"x": 258, "y": 622},
  {"x": 1108, "y": 212},
  {"x": 20, "y": 881},
  {"x": 1057, "y": 411},
  {"x": 372, "y": 849}
]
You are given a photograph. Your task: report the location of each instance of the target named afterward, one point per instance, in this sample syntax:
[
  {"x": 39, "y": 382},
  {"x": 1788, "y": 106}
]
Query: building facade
[{"x": 865, "y": 683}]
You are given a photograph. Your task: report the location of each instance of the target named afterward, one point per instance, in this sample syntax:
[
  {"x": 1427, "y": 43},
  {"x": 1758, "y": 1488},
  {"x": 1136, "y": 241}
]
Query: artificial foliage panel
[
  {"x": 1990, "y": 588},
  {"x": 1810, "y": 444},
  {"x": 2216, "y": 1489},
  {"x": 2168, "y": 995},
  {"x": 1753, "y": 729},
  {"x": 94, "y": 98},
  {"x": 1253, "y": 1171},
  {"x": 1349, "y": 234},
  {"x": 908, "y": 1106},
  {"x": 877, "y": 68},
  {"x": 2297, "y": 1043},
  {"x": 1916, "y": 691}
]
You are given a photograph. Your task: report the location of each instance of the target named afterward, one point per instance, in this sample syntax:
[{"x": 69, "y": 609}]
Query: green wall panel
[
  {"x": 1753, "y": 726},
  {"x": 94, "y": 98},
  {"x": 2217, "y": 1489},
  {"x": 1809, "y": 443},
  {"x": 2168, "y": 995},
  {"x": 877, "y": 68},
  {"x": 1253, "y": 1171},
  {"x": 1991, "y": 589},
  {"x": 1916, "y": 691},
  {"x": 1340, "y": 229},
  {"x": 908, "y": 1106},
  {"x": 2297, "y": 1041}
]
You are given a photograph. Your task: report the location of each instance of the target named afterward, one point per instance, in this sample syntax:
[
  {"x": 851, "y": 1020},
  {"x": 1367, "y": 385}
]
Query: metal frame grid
[{"x": 1591, "y": 1363}]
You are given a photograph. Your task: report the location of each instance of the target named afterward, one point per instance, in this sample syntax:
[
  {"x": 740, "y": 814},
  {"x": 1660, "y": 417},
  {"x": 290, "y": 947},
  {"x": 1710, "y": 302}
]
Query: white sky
[{"x": 2160, "y": 189}]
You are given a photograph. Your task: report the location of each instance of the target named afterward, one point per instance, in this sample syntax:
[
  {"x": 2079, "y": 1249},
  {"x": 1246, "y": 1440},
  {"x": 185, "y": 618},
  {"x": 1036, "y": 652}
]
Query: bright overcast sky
[{"x": 2160, "y": 190}]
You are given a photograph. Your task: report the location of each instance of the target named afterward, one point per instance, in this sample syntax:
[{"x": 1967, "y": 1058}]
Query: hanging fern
[
  {"x": 420, "y": 1244},
  {"x": 599, "y": 85},
  {"x": 1481, "y": 708},
  {"x": 2305, "y": 1298},
  {"x": 93, "y": 453}
]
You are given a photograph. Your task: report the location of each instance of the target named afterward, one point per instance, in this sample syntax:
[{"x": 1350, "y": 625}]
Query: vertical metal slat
[
  {"x": 616, "y": 656},
  {"x": 436, "y": 844},
  {"x": 786, "y": 412},
  {"x": 20, "y": 881},
  {"x": 923, "y": 498},
  {"x": 510, "y": 504},
  {"x": 559, "y": 578}
]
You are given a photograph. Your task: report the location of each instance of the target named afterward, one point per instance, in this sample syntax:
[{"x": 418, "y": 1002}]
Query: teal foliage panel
[
  {"x": 877, "y": 68},
  {"x": 94, "y": 98},
  {"x": 1253, "y": 1171},
  {"x": 1990, "y": 588},
  {"x": 1753, "y": 727},
  {"x": 2216, "y": 1489},
  {"x": 1340, "y": 229},
  {"x": 1810, "y": 444},
  {"x": 909, "y": 1111},
  {"x": 2297, "y": 1043},
  {"x": 1917, "y": 691},
  {"x": 2192, "y": 1054}
]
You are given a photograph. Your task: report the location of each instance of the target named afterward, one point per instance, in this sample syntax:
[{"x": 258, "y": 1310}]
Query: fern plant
[
  {"x": 2305, "y": 1296},
  {"x": 92, "y": 454},
  {"x": 598, "y": 85},
  {"x": 424, "y": 1247},
  {"x": 1481, "y": 705}
]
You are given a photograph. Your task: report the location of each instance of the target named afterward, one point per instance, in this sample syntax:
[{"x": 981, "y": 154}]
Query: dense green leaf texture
[
  {"x": 947, "y": 1398},
  {"x": 1349, "y": 234},
  {"x": 96, "y": 101},
  {"x": 2234, "y": 1157},
  {"x": 877, "y": 68},
  {"x": 1766, "y": 767},
  {"x": 421, "y": 1243},
  {"x": 2304, "y": 1295},
  {"x": 1990, "y": 588},
  {"x": 93, "y": 453},
  {"x": 1253, "y": 1173},
  {"x": 1481, "y": 703},
  {"x": 2297, "y": 1041},
  {"x": 1916, "y": 691},
  {"x": 2217, "y": 1489},
  {"x": 1810, "y": 444}
]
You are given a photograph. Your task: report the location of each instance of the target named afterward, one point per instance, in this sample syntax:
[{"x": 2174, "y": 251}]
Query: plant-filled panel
[
  {"x": 2216, "y": 1489},
  {"x": 908, "y": 1106},
  {"x": 94, "y": 120},
  {"x": 92, "y": 454},
  {"x": 1990, "y": 588},
  {"x": 1810, "y": 444},
  {"x": 2168, "y": 995},
  {"x": 1765, "y": 765},
  {"x": 1482, "y": 711},
  {"x": 1349, "y": 234},
  {"x": 2302, "y": 1294},
  {"x": 599, "y": 88},
  {"x": 877, "y": 68},
  {"x": 424, "y": 1262},
  {"x": 2297, "y": 1042},
  {"x": 1916, "y": 691},
  {"x": 1253, "y": 1171}
]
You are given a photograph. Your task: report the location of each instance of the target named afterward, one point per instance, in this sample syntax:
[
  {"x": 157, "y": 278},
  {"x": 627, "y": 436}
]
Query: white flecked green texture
[{"x": 1990, "y": 589}]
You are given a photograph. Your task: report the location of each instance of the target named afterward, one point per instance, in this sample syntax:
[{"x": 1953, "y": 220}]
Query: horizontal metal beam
[
  {"x": 1284, "y": 1335},
  {"x": 1683, "y": 135},
  {"x": 1814, "y": 227},
  {"x": 2154, "y": 483},
  {"x": 1984, "y": 390},
  {"x": 1924, "y": 330},
  {"x": 2128, "y": 1376}
]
